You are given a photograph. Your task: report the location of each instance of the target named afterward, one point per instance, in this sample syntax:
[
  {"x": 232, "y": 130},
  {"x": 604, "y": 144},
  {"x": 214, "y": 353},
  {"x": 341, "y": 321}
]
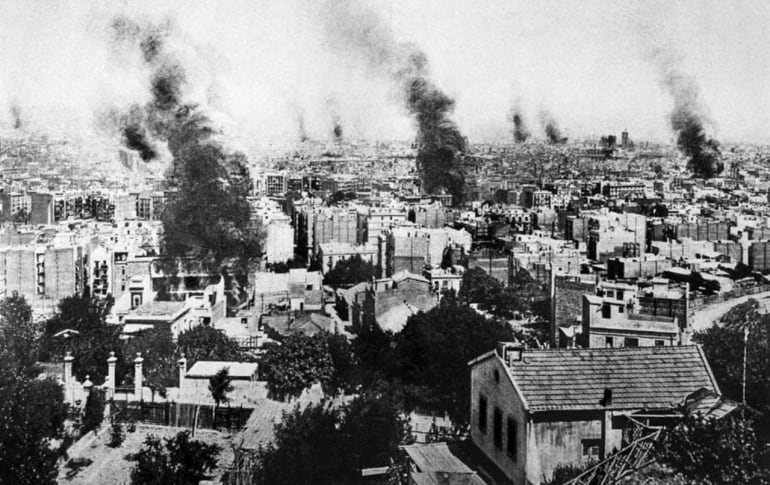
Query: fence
[{"x": 181, "y": 415}]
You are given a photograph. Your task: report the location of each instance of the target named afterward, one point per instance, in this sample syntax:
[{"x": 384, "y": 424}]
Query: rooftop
[
  {"x": 639, "y": 378},
  {"x": 207, "y": 368}
]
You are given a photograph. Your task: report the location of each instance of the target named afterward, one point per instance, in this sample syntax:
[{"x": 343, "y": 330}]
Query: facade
[
  {"x": 333, "y": 252},
  {"x": 610, "y": 322}
]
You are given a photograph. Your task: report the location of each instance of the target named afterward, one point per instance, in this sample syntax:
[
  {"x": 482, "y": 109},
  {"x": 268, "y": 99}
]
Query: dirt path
[{"x": 705, "y": 316}]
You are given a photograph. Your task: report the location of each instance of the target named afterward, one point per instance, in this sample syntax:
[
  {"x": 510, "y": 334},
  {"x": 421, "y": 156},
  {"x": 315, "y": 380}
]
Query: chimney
[
  {"x": 607, "y": 399},
  {"x": 510, "y": 351},
  {"x": 138, "y": 378}
]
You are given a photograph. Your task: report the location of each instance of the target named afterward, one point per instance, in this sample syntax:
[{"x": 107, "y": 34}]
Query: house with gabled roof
[{"x": 533, "y": 410}]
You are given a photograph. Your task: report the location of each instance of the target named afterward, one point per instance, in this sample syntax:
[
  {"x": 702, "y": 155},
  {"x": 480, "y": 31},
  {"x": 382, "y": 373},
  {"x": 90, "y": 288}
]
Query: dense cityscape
[{"x": 549, "y": 307}]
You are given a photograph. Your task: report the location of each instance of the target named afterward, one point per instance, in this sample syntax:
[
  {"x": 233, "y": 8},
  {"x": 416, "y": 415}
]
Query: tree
[
  {"x": 323, "y": 445},
  {"x": 220, "y": 384},
  {"x": 298, "y": 362},
  {"x": 18, "y": 334},
  {"x": 93, "y": 413},
  {"x": 117, "y": 435},
  {"x": 159, "y": 354},
  {"x": 350, "y": 271},
  {"x": 32, "y": 414},
  {"x": 375, "y": 355},
  {"x": 717, "y": 450},
  {"x": 432, "y": 354},
  {"x": 345, "y": 376},
  {"x": 94, "y": 340},
  {"x": 373, "y": 428},
  {"x": 308, "y": 448},
  {"x": 478, "y": 287},
  {"x": 723, "y": 344},
  {"x": 207, "y": 343},
  {"x": 181, "y": 461}
]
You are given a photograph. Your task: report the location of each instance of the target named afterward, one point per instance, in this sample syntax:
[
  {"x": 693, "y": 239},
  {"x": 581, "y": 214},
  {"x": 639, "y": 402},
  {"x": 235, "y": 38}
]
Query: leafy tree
[
  {"x": 373, "y": 428},
  {"x": 319, "y": 444},
  {"x": 720, "y": 451},
  {"x": 298, "y": 362},
  {"x": 350, "y": 271},
  {"x": 345, "y": 375},
  {"x": 32, "y": 414},
  {"x": 375, "y": 355},
  {"x": 160, "y": 362},
  {"x": 432, "y": 354},
  {"x": 18, "y": 335},
  {"x": 92, "y": 345},
  {"x": 117, "y": 435},
  {"x": 207, "y": 343},
  {"x": 93, "y": 413},
  {"x": 220, "y": 384},
  {"x": 723, "y": 344},
  {"x": 181, "y": 461},
  {"x": 478, "y": 287},
  {"x": 308, "y": 448}
]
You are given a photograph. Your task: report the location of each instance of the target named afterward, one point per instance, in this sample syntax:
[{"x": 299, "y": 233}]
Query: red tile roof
[{"x": 639, "y": 377}]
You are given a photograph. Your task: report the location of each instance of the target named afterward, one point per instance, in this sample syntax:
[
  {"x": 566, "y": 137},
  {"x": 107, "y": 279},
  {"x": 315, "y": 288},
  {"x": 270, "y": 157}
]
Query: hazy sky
[{"x": 266, "y": 64}]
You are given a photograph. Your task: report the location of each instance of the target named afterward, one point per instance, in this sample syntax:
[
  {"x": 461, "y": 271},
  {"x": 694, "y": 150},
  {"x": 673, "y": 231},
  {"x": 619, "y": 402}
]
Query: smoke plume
[
  {"x": 551, "y": 127},
  {"x": 352, "y": 26},
  {"x": 520, "y": 129},
  {"x": 208, "y": 220},
  {"x": 301, "y": 129},
  {"x": 687, "y": 119},
  {"x": 334, "y": 109},
  {"x": 18, "y": 121}
]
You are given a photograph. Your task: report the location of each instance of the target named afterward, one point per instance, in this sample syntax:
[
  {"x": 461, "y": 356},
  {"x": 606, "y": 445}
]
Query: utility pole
[{"x": 745, "y": 359}]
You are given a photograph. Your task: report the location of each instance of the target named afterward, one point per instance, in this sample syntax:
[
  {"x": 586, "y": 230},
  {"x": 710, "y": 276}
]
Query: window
[
  {"x": 621, "y": 309},
  {"x": 497, "y": 431},
  {"x": 511, "y": 447},
  {"x": 660, "y": 343},
  {"x": 608, "y": 342},
  {"x": 591, "y": 449},
  {"x": 632, "y": 342},
  {"x": 497, "y": 376},
  {"x": 606, "y": 311},
  {"x": 620, "y": 294},
  {"x": 482, "y": 414}
]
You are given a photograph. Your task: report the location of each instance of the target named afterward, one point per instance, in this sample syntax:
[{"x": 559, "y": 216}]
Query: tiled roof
[{"x": 639, "y": 377}]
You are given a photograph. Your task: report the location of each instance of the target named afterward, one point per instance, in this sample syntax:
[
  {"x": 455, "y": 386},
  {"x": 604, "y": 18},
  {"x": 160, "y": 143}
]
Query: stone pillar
[
  {"x": 182, "y": 371},
  {"x": 68, "y": 370},
  {"x": 88, "y": 385},
  {"x": 138, "y": 378},
  {"x": 110, "y": 384}
]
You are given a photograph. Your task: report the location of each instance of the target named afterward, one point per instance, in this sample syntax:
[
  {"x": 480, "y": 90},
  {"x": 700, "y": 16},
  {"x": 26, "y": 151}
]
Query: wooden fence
[{"x": 181, "y": 415}]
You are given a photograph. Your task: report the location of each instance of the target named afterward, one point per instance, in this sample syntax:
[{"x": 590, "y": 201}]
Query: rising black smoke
[
  {"x": 520, "y": 128},
  {"x": 551, "y": 128},
  {"x": 687, "y": 120},
  {"x": 18, "y": 120},
  {"x": 208, "y": 220},
  {"x": 353, "y": 28},
  {"x": 333, "y": 105}
]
